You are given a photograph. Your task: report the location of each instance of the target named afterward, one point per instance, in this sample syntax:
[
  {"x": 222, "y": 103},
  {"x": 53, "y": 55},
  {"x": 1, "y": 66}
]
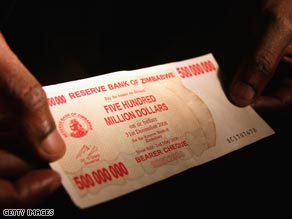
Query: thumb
[
  {"x": 27, "y": 100},
  {"x": 260, "y": 63},
  {"x": 29, "y": 190}
]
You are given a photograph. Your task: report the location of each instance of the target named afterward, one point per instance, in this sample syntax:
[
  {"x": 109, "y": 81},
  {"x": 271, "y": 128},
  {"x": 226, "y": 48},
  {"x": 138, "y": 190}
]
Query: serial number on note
[{"x": 241, "y": 135}]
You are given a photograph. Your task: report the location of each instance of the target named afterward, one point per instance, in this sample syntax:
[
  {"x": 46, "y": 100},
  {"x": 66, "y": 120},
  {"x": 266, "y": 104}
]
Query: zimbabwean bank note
[{"x": 129, "y": 129}]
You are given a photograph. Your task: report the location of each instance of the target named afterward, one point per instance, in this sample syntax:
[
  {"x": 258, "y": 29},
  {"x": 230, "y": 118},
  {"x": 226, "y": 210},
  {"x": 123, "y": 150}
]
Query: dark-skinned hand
[
  {"x": 271, "y": 47},
  {"x": 28, "y": 137}
]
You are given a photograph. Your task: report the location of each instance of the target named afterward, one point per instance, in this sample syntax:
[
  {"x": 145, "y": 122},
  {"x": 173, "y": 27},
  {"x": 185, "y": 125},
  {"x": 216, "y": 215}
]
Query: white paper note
[{"x": 126, "y": 130}]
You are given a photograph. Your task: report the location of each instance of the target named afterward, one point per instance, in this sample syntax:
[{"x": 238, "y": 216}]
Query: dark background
[{"x": 65, "y": 42}]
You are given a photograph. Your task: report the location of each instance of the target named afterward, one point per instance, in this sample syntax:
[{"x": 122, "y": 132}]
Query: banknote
[{"x": 129, "y": 129}]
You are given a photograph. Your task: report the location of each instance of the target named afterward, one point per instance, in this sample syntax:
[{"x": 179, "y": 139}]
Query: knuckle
[
  {"x": 33, "y": 97},
  {"x": 29, "y": 104},
  {"x": 263, "y": 64},
  {"x": 35, "y": 103},
  {"x": 279, "y": 15},
  {"x": 283, "y": 24}
]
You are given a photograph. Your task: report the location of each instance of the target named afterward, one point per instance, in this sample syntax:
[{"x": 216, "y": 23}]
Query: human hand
[
  {"x": 28, "y": 137},
  {"x": 271, "y": 47}
]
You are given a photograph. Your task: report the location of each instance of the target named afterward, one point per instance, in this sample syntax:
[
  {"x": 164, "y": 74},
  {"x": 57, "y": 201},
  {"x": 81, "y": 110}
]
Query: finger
[
  {"x": 281, "y": 99},
  {"x": 28, "y": 100},
  {"x": 288, "y": 55},
  {"x": 12, "y": 165},
  {"x": 29, "y": 190},
  {"x": 260, "y": 63},
  {"x": 15, "y": 147},
  {"x": 270, "y": 104}
]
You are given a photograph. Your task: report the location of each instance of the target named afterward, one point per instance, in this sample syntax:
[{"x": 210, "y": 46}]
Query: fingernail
[
  {"x": 53, "y": 146},
  {"x": 242, "y": 93}
]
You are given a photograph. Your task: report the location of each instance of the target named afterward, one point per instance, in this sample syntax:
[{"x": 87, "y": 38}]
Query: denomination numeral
[
  {"x": 101, "y": 176},
  {"x": 57, "y": 100},
  {"x": 208, "y": 66}
]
